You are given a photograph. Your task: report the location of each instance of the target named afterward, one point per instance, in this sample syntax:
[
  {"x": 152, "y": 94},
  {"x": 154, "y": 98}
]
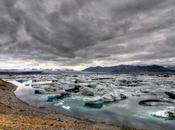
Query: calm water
[{"x": 117, "y": 95}]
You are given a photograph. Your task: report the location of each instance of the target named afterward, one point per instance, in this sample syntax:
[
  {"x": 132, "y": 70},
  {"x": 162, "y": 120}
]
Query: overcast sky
[{"x": 81, "y": 33}]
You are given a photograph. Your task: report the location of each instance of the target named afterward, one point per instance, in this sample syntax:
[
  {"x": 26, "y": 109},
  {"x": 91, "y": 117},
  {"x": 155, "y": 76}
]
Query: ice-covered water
[{"x": 142, "y": 101}]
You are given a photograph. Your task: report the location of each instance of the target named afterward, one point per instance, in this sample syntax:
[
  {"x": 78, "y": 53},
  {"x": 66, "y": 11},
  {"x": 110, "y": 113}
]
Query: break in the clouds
[{"x": 81, "y": 33}]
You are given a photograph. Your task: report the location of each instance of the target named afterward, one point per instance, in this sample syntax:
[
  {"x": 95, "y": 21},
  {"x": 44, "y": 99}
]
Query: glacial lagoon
[{"x": 141, "y": 101}]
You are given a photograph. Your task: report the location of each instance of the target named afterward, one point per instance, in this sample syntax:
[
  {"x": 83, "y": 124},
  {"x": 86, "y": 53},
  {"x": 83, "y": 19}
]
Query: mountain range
[
  {"x": 130, "y": 69},
  {"x": 121, "y": 69}
]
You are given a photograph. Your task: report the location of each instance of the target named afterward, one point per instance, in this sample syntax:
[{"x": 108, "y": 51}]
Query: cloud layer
[{"x": 82, "y": 33}]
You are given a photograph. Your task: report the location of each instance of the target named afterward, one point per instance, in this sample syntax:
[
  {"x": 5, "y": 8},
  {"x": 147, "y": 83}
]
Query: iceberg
[
  {"x": 94, "y": 104},
  {"x": 168, "y": 114}
]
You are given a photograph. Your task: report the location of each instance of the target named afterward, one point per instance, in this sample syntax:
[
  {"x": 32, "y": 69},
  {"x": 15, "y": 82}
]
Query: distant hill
[
  {"x": 171, "y": 67},
  {"x": 35, "y": 72},
  {"x": 130, "y": 69},
  {"x": 20, "y": 72}
]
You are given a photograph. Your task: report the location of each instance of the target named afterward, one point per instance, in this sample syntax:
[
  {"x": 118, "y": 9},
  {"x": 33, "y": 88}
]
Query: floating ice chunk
[
  {"x": 145, "y": 90},
  {"x": 94, "y": 104},
  {"x": 112, "y": 97},
  {"x": 97, "y": 98},
  {"x": 59, "y": 104},
  {"x": 108, "y": 98},
  {"x": 87, "y": 92},
  {"x": 66, "y": 107},
  {"x": 168, "y": 114},
  {"x": 54, "y": 98}
]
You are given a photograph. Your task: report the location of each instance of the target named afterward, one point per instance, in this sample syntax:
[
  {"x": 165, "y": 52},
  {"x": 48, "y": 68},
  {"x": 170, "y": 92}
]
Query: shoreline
[{"x": 13, "y": 112}]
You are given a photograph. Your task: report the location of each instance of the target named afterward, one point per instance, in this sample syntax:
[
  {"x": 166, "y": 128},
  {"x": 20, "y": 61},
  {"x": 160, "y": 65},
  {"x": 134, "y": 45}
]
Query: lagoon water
[{"x": 139, "y": 101}]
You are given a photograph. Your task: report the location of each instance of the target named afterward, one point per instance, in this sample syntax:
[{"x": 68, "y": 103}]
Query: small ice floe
[
  {"x": 50, "y": 89},
  {"x": 113, "y": 97},
  {"x": 108, "y": 98},
  {"x": 56, "y": 97},
  {"x": 99, "y": 101},
  {"x": 53, "y": 98},
  {"x": 59, "y": 103},
  {"x": 34, "y": 82},
  {"x": 146, "y": 90},
  {"x": 87, "y": 92},
  {"x": 27, "y": 83},
  {"x": 167, "y": 114},
  {"x": 66, "y": 107},
  {"x": 39, "y": 91},
  {"x": 87, "y": 99},
  {"x": 94, "y": 102}
]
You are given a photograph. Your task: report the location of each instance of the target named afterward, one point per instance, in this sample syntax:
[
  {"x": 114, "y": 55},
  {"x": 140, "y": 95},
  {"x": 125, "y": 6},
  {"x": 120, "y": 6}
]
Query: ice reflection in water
[{"x": 108, "y": 98}]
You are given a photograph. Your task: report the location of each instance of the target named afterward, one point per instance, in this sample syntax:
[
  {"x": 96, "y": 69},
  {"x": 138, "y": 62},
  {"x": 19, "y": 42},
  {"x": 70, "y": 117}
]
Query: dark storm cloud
[
  {"x": 75, "y": 32},
  {"x": 128, "y": 7}
]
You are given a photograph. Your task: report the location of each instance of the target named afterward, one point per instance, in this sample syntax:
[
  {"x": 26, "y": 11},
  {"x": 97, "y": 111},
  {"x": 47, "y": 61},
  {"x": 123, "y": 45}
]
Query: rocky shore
[{"x": 15, "y": 115}]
